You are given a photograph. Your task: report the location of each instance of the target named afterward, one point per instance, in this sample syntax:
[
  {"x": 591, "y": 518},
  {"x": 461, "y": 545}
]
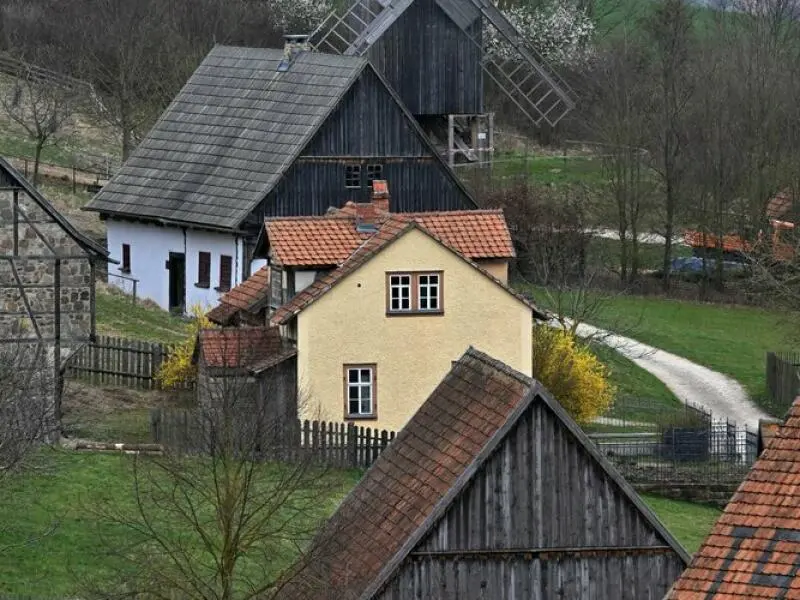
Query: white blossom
[
  {"x": 300, "y": 16},
  {"x": 559, "y": 31}
]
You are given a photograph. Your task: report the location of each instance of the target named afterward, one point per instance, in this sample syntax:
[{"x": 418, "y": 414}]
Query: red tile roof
[
  {"x": 242, "y": 347},
  {"x": 329, "y": 240},
  {"x": 391, "y": 230},
  {"x": 246, "y": 296},
  {"x": 753, "y": 551}
]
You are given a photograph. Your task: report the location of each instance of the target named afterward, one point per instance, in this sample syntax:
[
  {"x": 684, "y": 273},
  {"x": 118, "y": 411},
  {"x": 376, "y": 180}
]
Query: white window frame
[
  {"x": 427, "y": 287},
  {"x": 360, "y": 386},
  {"x": 400, "y": 286}
]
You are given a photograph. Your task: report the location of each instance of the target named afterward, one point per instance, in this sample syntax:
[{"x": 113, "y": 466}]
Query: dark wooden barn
[
  {"x": 491, "y": 491},
  {"x": 439, "y": 55},
  {"x": 47, "y": 287}
]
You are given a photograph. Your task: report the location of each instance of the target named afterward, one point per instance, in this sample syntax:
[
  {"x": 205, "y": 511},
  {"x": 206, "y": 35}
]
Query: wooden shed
[{"x": 491, "y": 491}]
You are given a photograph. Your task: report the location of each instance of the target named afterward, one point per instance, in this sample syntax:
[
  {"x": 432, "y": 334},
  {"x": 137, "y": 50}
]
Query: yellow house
[{"x": 376, "y": 334}]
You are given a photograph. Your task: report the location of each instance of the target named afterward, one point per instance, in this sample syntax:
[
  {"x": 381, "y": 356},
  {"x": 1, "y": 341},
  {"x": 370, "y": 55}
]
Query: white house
[{"x": 257, "y": 133}]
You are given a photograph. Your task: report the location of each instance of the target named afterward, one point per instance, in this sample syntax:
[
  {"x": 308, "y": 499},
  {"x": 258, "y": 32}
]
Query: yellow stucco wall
[
  {"x": 498, "y": 268},
  {"x": 349, "y": 325}
]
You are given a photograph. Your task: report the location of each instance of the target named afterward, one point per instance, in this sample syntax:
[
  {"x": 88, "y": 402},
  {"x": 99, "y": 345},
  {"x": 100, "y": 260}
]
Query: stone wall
[{"x": 44, "y": 247}]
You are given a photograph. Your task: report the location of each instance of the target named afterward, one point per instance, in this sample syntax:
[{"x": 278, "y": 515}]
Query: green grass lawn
[
  {"x": 118, "y": 316},
  {"x": 689, "y": 523},
  {"x": 729, "y": 339},
  {"x": 60, "y": 498},
  {"x": 550, "y": 170}
]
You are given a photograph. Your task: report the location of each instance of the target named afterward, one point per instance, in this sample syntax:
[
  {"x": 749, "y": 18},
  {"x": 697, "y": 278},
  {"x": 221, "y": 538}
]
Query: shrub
[
  {"x": 178, "y": 369},
  {"x": 571, "y": 372}
]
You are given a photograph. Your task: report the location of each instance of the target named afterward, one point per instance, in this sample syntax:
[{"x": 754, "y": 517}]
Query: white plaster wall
[
  {"x": 256, "y": 264},
  {"x": 150, "y": 248},
  {"x": 217, "y": 244},
  {"x": 303, "y": 279}
]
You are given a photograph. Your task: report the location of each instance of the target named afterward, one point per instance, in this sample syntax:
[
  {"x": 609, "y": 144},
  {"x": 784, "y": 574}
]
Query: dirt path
[{"x": 690, "y": 382}]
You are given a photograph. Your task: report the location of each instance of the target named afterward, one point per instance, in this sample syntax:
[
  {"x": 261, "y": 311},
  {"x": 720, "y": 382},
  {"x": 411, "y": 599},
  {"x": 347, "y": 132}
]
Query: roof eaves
[{"x": 79, "y": 237}]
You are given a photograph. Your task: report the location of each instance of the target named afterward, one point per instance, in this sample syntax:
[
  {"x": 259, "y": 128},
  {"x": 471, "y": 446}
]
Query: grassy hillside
[
  {"x": 53, "y": 542},
  {"x": 118, "y": 316}
]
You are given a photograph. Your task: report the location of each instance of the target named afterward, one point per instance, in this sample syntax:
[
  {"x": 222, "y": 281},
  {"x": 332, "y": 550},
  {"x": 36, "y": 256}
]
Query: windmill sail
[{"x": 529, "y": 82}]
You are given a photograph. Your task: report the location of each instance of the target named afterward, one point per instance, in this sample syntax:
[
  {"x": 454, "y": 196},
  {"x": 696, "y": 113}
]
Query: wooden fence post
[{"x": 352, "y": 449}]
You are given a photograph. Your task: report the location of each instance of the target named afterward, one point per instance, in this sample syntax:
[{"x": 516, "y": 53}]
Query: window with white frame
[
  {"x": 399, "y": 292},
  {"x": 428, "y": 291},
  {"x": 360, "y": 391},
  {"x": 414, "y": 293}
]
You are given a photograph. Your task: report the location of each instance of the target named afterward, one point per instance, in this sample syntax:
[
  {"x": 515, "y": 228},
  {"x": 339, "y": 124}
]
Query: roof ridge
[{"x": 497, "y": 364}]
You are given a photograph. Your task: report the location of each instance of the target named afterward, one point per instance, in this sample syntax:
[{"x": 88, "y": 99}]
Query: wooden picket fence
[
  {"x": 341, "y": 445},
  {"x": 118, "y": 361}
]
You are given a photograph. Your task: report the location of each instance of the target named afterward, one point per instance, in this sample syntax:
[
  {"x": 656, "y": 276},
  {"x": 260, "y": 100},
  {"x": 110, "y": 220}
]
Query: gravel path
[{"x": 690, "y": 382}]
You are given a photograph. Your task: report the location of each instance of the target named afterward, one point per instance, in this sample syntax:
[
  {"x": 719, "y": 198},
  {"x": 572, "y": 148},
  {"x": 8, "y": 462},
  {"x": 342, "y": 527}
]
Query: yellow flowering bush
[
  {"x": 178, "y": 369},
  {"x": 571, "y": 372}
]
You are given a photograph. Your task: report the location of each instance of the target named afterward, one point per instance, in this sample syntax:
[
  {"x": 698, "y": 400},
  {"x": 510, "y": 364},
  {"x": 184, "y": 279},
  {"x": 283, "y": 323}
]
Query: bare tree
[
  {"x": 671, "y": 28},
  {"x": 43, "y": 110},
  {"x": 27, "y": 415},
  {"x": 230, "y": 513}
]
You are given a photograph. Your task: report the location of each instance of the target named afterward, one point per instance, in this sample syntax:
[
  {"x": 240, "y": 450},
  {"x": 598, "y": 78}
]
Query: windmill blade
[
  {"x": 353, "y": 32},
  {"x": 525, "y": 77}
]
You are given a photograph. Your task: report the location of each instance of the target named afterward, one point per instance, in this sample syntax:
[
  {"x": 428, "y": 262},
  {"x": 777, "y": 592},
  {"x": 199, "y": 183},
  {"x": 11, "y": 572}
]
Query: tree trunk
[{"x": 36, "y": 158}]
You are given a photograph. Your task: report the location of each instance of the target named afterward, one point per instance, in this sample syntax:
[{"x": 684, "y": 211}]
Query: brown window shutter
[
  {"x": 126, "y": 257},
  {"x": 225, "y": 271},
  {"x": 204, "y": 269}
]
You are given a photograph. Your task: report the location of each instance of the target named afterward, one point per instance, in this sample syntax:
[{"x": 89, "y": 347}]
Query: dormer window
[{"x": 414, "y": 293}]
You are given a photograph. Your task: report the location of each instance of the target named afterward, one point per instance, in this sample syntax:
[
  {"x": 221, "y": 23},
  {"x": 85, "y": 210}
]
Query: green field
[
  {"x": 51, "y": 539},
  {"x": 52, "y": 542},
  {"x": 689, "y": 523}
]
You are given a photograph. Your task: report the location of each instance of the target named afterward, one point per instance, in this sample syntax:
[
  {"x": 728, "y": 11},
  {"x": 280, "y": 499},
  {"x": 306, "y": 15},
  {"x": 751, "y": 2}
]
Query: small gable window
[
  {"x": 414, "y": 293},
  {"x": 203, "y": 269},
  {"x": 126, "y": 258},
  {"x": 359, "y": 384},
  {"x": 374, "y": 172},
  {"x": 352, "y": 176},
  {"x": 225, "y": 273}
]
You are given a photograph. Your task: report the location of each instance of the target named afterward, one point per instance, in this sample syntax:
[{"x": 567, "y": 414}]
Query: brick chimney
[
  {"x": 380, "y": 195},
  {"x": 293, "y": 46},
  {"x": 366, "y": 218}
]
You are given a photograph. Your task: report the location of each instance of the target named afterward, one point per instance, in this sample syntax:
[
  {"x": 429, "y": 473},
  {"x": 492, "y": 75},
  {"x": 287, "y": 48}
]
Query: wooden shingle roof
[
  {"x": 431, "y": 462},
  {"x": 227, "y": 138},
  {"x": 753, "y": 550}
]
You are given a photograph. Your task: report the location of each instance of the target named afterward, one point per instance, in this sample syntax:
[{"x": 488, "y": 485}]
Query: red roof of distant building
[{"x": 753, "y": 551}]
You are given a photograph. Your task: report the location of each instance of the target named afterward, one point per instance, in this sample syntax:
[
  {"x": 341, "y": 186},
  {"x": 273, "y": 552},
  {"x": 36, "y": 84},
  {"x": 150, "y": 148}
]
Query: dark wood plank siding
[
  {"x": 431, "y": 62},
  {"x": 618, "y": 578},
  {"x": 310, "y": 188},
  {"x": 540, "y": 489},
  {"x": 368, "y": 122}
]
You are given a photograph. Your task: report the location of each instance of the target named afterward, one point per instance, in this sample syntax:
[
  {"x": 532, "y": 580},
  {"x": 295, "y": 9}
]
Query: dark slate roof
[
  {"x": 427, "y": 466},
  {"x": 9, "y": 176},
  {"x": 228, "y": 136}
]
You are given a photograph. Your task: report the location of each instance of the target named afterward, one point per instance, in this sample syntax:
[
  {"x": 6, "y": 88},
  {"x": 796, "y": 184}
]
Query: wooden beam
[
  {"x": 57, "y": 375},
  {"x": 15, "y": 218},
  {"x": 24, "y": 297}
]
